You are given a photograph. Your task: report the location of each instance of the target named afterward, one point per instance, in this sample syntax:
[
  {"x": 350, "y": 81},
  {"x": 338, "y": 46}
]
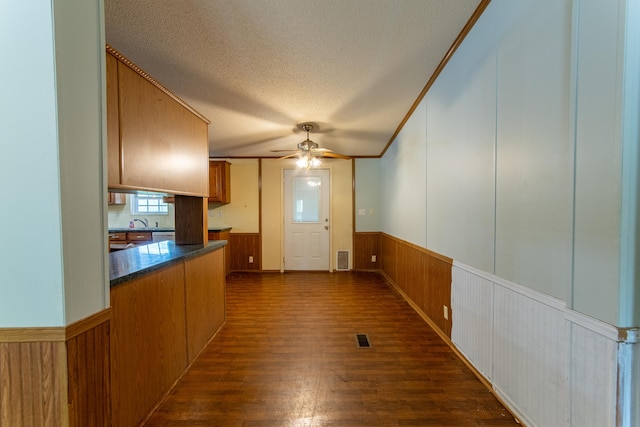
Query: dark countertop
[
  {"x": 123, "y": 230},
  {"x": 132, "y": 263}
]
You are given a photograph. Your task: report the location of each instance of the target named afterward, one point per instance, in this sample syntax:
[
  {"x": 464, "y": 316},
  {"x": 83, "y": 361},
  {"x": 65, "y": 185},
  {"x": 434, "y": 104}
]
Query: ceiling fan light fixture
[
  {"x": 309, "y": 152},
  {"x": 308, "y": 161},
  {"x": 303, "y": 162}
]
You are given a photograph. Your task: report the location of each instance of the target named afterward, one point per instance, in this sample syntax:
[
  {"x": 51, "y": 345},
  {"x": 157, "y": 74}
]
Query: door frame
[{"x": 282, "y": 209}]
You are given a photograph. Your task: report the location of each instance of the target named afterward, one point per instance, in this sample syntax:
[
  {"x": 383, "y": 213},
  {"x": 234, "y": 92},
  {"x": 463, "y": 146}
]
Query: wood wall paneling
[
  {"x": 33, "y": 384},
  {"x": 389, "y": 258},
  {"x": 438, "y": 292},
  {"x": 366, "y": 244},
  {"x": 244, "y": 245},
  {"x": 204, "y": 299},
  {"x": 148, "y": 342},
  {"x": 424, "y": 277},
  {"x": 88, "y": 364}
]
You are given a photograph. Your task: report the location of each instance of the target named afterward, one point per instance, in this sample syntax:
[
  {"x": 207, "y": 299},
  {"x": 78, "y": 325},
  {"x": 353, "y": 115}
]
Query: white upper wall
[
  {"x": 53, "y": 272},
  {"x": 534, "y": 153},
  {"x": 367, "y": 193},
  {"x": 31, "y": 290},
  {"x": 461, "y": 130},
  {"x": 484, "y": 168},
  {"x": 80, "y": 78},
  {"x": 598, "y": 57},
  {"x": 404, "y": 176}
]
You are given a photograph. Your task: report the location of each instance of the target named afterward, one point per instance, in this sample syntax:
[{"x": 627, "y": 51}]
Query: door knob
[{"x": 326, "y": 227}]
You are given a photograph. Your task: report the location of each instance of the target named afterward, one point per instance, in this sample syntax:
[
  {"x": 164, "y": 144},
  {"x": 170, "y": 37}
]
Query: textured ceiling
[{"x": 258, "y": 68}]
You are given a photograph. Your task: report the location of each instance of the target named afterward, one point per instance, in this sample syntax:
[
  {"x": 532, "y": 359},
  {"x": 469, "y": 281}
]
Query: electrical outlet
[
  {"x": 211, "y": 212},
  {"x": 373, "y": 258},
  {"x": 250, "y": 260},
  {"x": 446, "y": 312}
]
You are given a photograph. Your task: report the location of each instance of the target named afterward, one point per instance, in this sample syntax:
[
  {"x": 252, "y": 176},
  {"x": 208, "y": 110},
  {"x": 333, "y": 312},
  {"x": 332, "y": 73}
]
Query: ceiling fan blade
[
  {"x": 281, "y": 151},
  {"x": 288, "y": 156},
  {"x": 336, "y": 155},
  {"x": 324, "y": 150}
]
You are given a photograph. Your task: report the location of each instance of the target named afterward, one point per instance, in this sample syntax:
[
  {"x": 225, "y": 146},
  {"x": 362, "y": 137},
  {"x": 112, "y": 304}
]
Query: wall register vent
[
  {"x": 342, "y": 261},
  {"x": 363, "y": 341}
]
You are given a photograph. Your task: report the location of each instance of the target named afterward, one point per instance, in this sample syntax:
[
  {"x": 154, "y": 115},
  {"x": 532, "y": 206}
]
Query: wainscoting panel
[
  {"x": 472, "y": 328},
  {"x": 244, "y": 245},
  {"x": 365, "y": 245},
  {"x": 438, "y": 292},
  {"x": 411, "y": 274},
  {"x": 593, "y": 373},
  {"x": 552, "y": 366},
  {"x": 88, "y": 363},
  {"x": 530, "y": 356},
  {"x": 389, "y": 258},
  {"x": 424, "y": 277},
  {"x": 33, "y": 384}
]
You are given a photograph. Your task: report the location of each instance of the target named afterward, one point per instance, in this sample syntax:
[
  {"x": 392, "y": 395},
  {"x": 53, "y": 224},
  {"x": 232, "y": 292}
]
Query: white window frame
[{"x": 156, "y": 202}]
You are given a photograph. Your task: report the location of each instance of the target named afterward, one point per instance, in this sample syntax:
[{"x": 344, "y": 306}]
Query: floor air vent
[
  {"x": 363, "y": 341},
  {"x": 342, "y": 260}
]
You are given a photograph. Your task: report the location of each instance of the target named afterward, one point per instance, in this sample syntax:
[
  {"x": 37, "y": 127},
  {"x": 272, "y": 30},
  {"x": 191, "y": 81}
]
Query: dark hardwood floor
[{"x": 288, "y": 356}]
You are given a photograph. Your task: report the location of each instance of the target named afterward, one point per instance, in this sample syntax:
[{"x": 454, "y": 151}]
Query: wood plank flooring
[{"x": 288, "y": 356}]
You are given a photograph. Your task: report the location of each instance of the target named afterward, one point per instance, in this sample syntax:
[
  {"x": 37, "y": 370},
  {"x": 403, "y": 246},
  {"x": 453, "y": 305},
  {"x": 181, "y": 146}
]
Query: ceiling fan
[{"x": 309, "y": 152}]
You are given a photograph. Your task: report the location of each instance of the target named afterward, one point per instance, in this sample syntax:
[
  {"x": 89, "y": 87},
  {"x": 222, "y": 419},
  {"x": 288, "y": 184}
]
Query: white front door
[{"x": 306, "y": 219}]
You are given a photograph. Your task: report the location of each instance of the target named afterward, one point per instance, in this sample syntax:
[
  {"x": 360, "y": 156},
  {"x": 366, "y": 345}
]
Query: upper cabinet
[
  {"x": 155, "y": 141},
  {"x": 219, "y": 181},
  {"x": 116, "y": 198}
]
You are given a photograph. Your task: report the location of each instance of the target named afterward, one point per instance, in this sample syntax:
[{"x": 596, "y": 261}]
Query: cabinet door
[
  {"x": 141, "y": 236},
  {"x": 117, "y": 198},
  {"x": 220, "y": 181},
  {"x": 164, "y": 146},
  {"x": 113, "y": 123}
]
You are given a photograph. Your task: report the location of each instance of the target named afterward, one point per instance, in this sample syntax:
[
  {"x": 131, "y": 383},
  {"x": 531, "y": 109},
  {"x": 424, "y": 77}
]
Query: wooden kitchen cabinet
[
  {"x": 113, "y": 123},
  {"x": 121, "y": 239},
  {"x": 139, "y": 236},
  {"x": 219, "y": 181},
  {"x": 155, "y": 141},
  {"x": 117, "y": 198}
]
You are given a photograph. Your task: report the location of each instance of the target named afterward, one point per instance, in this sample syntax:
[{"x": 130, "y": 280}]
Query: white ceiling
[{"x": 258, "y": 68}]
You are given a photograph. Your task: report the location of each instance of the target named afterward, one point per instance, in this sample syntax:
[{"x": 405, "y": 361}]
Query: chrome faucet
[{"x": 144, "y": 222}]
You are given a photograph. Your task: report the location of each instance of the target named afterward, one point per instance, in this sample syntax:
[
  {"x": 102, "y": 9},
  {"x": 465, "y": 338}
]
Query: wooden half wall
[
  {"x": 422, "y": 276},
  {"x": 56, "y": 376}
]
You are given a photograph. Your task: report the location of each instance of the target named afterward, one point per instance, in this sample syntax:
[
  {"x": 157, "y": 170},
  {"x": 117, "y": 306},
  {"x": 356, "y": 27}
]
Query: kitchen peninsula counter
[
  {"x": 167, "y": 302},
  {"x": 128, "y": 264}
]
